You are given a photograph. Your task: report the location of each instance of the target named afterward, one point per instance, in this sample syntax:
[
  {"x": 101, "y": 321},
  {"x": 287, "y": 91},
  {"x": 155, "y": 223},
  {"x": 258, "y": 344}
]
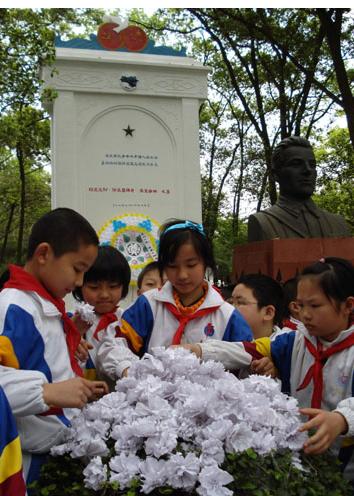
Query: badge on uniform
[{"x": 209, "y": 329}]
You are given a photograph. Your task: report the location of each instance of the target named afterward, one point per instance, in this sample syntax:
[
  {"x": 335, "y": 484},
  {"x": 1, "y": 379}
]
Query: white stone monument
[{"x": 125, "y": 137}]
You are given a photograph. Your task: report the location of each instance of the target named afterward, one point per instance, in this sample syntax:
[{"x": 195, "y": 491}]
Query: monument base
[{"x": 285, "y": 258}]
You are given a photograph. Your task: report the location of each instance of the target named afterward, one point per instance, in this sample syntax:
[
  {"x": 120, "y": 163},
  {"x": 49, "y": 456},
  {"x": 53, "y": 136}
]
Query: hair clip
[{"x": 186, "y": 225}]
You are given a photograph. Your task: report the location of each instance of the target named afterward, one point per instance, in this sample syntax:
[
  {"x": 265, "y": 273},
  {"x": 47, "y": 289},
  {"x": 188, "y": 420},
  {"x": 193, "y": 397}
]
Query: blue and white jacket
[
  {"x": 33, "y": 351},
  {"x": 148, "y": 323}
]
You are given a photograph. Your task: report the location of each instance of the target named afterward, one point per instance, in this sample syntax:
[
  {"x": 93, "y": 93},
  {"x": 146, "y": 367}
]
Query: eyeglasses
[{"x": 243, "y": 303}]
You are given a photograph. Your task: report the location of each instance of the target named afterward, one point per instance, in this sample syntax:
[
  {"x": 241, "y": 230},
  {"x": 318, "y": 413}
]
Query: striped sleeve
[
  {"x": 24, "y": 390},
  {"x": 21, "y": 343},
  {"x": 237, "y": 328},
  {"x": 235, "y": 355},
  {"x": 137, "y": 324},
  {"x": 281, "y": 353},
  {"x": 11, "y": 478},
  {"x": 231, "y": 354}
]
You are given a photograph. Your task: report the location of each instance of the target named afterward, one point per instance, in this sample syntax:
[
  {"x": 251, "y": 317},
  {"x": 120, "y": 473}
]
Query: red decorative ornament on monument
[
  {"x": 108, "y": 38},
  {"x": 132, "y": 38},
  {"x": 135, "y": 38}
]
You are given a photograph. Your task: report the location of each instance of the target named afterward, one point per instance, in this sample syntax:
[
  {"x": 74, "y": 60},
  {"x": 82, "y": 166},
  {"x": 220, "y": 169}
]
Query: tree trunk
[
  {"x": 333, "y": 29},
  {"x": 7, "y": 231},
  {"x": 21, "y": 164},
  {"x": 268, "y": 175},
  {"x": 237, "y": 199},
  {"x": 262, "y": 191}
]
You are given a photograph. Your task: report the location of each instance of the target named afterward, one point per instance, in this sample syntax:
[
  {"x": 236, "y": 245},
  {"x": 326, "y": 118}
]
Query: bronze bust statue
[{"x": 295, "y": 215}]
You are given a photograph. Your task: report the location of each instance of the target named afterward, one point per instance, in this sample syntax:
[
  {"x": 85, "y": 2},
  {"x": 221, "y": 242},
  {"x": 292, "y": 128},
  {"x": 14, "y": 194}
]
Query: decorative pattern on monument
[
  {"x": 135, "y": 236},
  {"x": 80, "y": 78}
]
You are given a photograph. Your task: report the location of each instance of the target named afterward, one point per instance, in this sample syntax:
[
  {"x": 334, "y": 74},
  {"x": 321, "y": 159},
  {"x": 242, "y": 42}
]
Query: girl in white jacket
[
  {"x": 105, "y": 284},
  {"x": 316, "y": 363},
  {"x": 187, "y": 308}
]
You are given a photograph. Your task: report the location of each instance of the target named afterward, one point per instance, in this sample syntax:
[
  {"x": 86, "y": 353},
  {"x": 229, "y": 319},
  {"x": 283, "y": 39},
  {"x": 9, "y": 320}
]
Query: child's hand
[
  {"x": 81, "y": 352},
  {"x": 73, "y": 393},
  {"x": 264, "y": 366},
  {"x": 99, "y": 389},
  {"x": 125, "y": 372},
  {"x": 328, "y": 426},
  {"x": 193, "y": 348},
  {"x": 81, "y": 325}
]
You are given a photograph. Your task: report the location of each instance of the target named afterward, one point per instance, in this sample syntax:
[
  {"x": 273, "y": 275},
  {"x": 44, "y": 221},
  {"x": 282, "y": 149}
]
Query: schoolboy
[
  {"x": 150, "y": 278},
  {"x": 38, "y": 341},
  {"x": 259, "y": 298},
  {"x": 291, "y": 316}
]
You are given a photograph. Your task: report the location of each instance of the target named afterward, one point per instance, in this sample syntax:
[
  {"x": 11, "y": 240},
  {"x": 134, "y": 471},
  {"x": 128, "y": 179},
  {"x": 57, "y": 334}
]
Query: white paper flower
[
  {"x": 153, "y": 472},
  {"x": 212, "y": 451},
  {"x": 240, "y": 438},
  {"x": 60, "y": 450},
  {"x": 86, "y": 312},
  {"x": 94, "y": 447},
  {"x": 212, "y": 481},
  {"x": 182, "y": 472},
  {"x": 95, "y": 473},
  {"x": 219, "y": 429},
  {"x": 172, "y": 420},
  {"x": 124, "y": 468}
]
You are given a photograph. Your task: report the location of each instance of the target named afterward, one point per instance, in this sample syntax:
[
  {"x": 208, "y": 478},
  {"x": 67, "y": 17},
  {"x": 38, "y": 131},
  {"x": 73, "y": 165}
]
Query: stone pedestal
[{"x": 285, "y": 258}]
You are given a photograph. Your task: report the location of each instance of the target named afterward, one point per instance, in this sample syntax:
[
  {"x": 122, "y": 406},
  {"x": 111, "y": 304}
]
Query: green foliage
[
  {"x": 254, "y": 475},
  {"x": 37, "y": 203},
  {"x": 26, "y": 43},
  {"x": 24, "y": 148},
  {"x": 224, "y": 242},
  {"x": 274, "y": 475},
  {"x": 335, "y": 158},
  {"x": 338, "y": 199}
]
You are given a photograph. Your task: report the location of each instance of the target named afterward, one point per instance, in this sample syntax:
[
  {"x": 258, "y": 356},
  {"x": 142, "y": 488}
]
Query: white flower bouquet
[{"x": 173, "y": 421}]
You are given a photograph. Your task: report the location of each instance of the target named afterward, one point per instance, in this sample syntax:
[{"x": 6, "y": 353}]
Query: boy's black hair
[
  {"x": 148, "y": 268},
  {"x": 266, "y": 291},
  {"x": 64, "y": 229},
  {"x": 335, "y": 277},
  {"x": 5, "y": 276},
  {"x": 171, "y": 241},
  {"x": 290, "y": 291},
  {"x": 110, "y": 265},
  {"x": 226, "y": 291}
]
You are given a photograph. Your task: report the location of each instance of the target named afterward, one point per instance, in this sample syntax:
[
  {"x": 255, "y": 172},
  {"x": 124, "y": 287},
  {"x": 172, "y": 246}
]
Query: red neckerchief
[
  {"x": 184, "y": 319},
  {"x": 105, "y": 320},
  {"x": 289, "y": 324},
  {"x": 20, "y": 279},
  {"x": 315, "y": 371}
]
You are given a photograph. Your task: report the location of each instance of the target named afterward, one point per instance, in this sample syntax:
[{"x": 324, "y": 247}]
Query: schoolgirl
[
  {"x": 187, "y": 308},
  {"x": 316, "y": 362},
  {"x": 105, "y": 284}
]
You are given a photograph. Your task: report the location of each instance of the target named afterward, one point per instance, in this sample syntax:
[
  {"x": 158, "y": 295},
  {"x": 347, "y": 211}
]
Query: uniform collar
[
  {"x": 342, "y": 335},
  {"x": 213, "y": 298},
  {"x": 47, "y": 307}
]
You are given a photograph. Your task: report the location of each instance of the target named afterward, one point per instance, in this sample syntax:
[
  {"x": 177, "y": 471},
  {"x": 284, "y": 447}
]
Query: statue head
[{"x": 294, "y": 168}]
